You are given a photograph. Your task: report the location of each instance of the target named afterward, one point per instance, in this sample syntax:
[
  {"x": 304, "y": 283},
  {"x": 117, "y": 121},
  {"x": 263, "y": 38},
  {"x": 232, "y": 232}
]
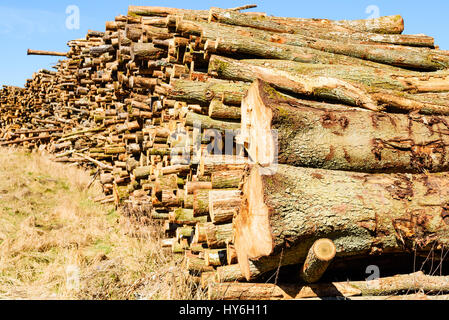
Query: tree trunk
[
  {"x": 316, "y": 87},
  {"x": 317, "y": 135},
  {"x": 377, "y": 78},
  {"x": 284, "y": 214},
  {"x": 209, "y": 31},
  {"x": 252, "y": 47}
]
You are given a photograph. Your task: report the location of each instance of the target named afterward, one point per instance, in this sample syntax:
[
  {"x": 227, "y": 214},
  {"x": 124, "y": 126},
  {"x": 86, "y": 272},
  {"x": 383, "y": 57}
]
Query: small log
[
  {"x": 224, "y": 205},
  {"x": 231, "y": 253},
  {"x": 363, "y": 213},
  {"x": 308, "y": 134},
  {"x": 204, "y": 92},
  {"x": 320, "y": 256},
  {"x": 259, "y": 291},
  {"x": 193, "y": 186},
  {"x": 219, "y": 111},
  {"x": 185, "y": 216},
  {"x": 46, "y": 53},
  {"x": 201, "y": 202},
  {"x": 196, "y": 265}
]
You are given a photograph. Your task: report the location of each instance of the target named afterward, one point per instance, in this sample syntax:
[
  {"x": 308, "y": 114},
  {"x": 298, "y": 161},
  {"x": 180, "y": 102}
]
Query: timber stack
[{"x": 260, "y": 143}]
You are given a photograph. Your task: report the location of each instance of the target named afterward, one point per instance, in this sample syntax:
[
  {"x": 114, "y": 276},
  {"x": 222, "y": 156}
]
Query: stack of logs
[{"x": 259, "y": 142}]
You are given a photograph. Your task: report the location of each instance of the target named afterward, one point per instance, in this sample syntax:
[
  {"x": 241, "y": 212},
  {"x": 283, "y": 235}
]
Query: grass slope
[{"x": 57, "y": 243}]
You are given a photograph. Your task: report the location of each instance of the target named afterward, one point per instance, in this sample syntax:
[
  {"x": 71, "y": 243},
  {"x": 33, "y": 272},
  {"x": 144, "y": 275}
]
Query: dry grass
[{"x": 56, "y": 243}]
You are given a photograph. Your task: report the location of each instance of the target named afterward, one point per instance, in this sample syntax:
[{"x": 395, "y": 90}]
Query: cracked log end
[{"x": 252, "y": 231}]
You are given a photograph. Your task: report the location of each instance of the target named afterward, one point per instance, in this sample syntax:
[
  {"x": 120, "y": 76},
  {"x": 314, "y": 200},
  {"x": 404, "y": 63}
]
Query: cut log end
[
  {"x": 253, "y": 238},
  {"x": 318, "y": 259}
]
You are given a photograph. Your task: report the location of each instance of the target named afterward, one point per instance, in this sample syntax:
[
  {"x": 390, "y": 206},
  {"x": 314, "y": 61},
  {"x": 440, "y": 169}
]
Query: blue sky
[{"x": 41, "y": 25}]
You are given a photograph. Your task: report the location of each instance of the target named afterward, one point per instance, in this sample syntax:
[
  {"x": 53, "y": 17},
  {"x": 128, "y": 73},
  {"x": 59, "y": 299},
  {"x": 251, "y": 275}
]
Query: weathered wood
[
  {"x": 215, "y": 257},
  {"x": 383, "y": 25},
  {"x": 317, "y": 87},
  {"x": 259, "y": 291},
  {"x": 195, "y": 119}
]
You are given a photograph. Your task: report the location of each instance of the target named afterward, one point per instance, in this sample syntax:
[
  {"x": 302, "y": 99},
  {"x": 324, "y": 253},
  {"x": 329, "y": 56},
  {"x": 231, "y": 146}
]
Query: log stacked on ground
[{"x": 169, "y": 106}]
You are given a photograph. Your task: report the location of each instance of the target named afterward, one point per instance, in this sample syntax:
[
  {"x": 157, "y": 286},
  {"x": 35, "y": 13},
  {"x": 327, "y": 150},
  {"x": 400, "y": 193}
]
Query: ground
[{"x": 56, "y": 242}]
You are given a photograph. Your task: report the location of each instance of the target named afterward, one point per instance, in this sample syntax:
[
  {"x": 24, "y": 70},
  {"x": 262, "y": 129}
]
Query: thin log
[
  {"x": 318, "y": 259},
  {"x": 380, "y": 287}
]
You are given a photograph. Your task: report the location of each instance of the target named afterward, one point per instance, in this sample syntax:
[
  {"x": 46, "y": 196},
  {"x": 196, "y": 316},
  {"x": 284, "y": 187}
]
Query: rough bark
[
  {"x": 434, "y": 83},
  {"x": 303, "y": 133},
  {"x": 285, "y": 213},
  {"x": 319, "y": 87},
  {"x": 269, "y": 50},
  {"x": 382, "y": 25},
  {"x": 46, "y": 53}
]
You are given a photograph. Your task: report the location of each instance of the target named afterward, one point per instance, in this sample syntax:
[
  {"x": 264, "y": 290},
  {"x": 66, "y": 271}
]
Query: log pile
[{"x": 258, "y": 142}]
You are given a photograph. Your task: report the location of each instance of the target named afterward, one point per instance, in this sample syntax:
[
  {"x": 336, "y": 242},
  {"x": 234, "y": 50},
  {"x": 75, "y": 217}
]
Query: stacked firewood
[{"x": 259, "y": 142}]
